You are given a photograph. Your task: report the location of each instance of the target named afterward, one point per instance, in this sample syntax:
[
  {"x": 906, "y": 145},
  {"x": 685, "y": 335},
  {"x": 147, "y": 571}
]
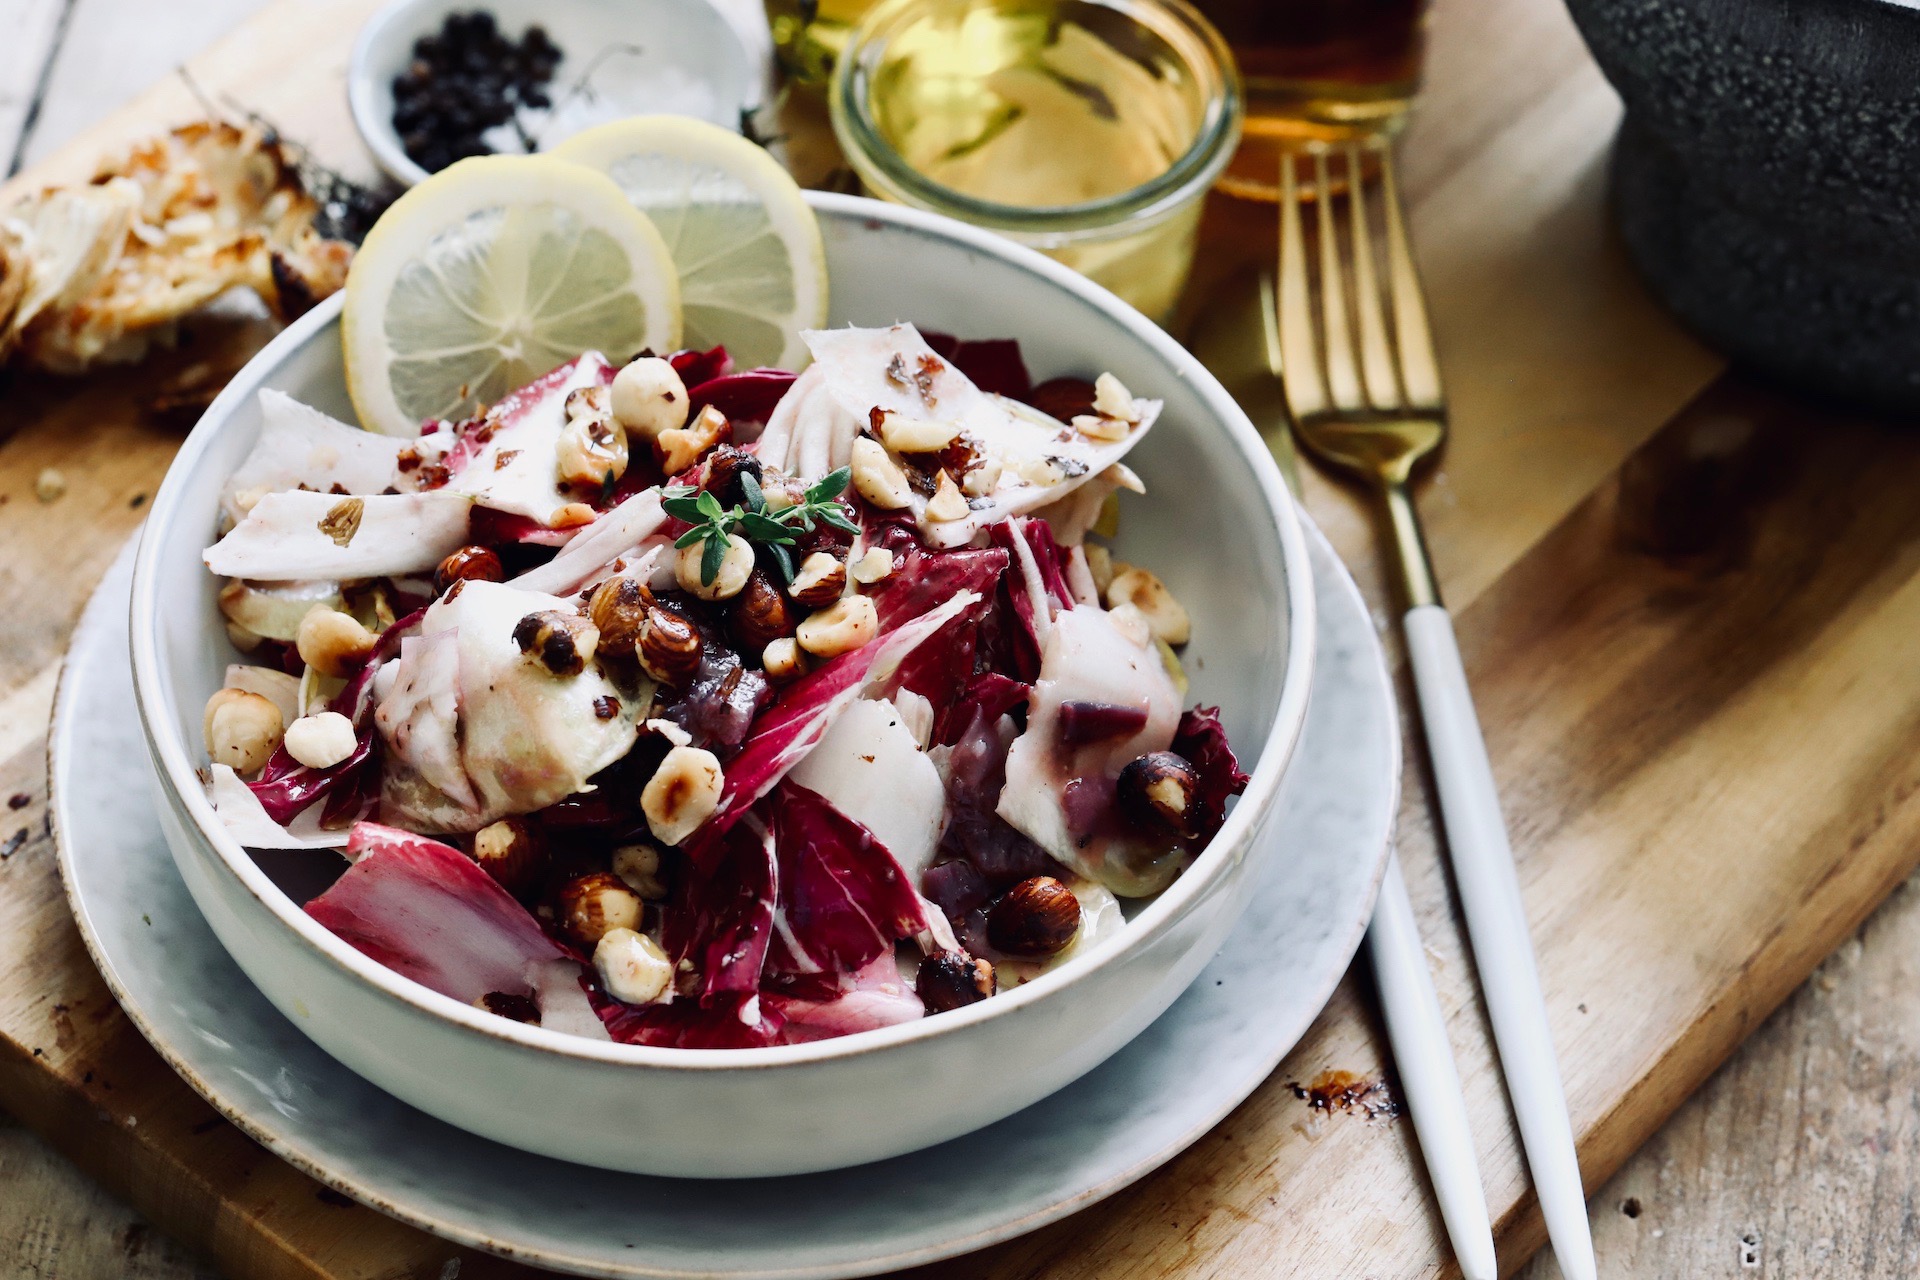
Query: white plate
[{"x": 1143, "y": 1106}]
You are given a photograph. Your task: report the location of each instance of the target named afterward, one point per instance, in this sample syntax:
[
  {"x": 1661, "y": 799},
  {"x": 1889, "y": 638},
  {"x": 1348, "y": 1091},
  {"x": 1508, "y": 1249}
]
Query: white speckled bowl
[{"x": 1218, "y": 526}]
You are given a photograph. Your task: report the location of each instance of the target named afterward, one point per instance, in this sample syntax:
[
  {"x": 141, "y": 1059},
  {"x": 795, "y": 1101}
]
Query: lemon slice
[
  {"x": 490, "y": 273},
  {"x": 753, "y": 272}
]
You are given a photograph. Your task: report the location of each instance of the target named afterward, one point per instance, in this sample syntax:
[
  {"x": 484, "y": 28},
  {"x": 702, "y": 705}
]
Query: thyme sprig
[{"x": 777, "y": 530}]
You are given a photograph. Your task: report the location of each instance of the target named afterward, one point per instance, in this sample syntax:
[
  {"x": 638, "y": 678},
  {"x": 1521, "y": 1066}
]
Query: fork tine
[
  {"x": 1419, "y": 370},
  {"x": 1376, "y": 356},
  {"x": 1299, "y": 362},
  {"x": 1343, "y": 380}
]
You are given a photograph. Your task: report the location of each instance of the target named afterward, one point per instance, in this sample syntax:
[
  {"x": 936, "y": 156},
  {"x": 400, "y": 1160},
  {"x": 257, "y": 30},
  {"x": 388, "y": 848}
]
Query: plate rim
[{"x": 313, "y": 1163}]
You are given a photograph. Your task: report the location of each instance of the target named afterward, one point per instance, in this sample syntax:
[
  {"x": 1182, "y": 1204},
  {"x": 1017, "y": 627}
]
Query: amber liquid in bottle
[{"x": 1316, "y": 69}]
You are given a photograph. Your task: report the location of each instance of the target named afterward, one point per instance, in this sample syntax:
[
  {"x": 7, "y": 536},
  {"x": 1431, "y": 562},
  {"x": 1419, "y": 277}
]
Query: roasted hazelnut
[
  {"x": 648, "y": 397},
  {"x": 242, "y": 729},
  {"x": 632, "y": 967},
  {"x": 469, "y": 564},
  {"x": 783, "y": 660},
  {"x": 592, "y": 905},
  {"x": 725, "y": 466},
  {"x": 563, "y": 643},
  {"x": 1111, "y": 399},
  {"x": 912, "y": 435},
  {"x": 760, "y": 614},
  {"x": 592, "y": 450},
  {"x": 736, "y": 565},
  {"x": 877, "y": 477},
  {"x": 321, "y": 739},
  {"x": 875, "y": 564},
  {"x": 682, "y": 793},
  {"x": 1157, "y": 790},
  {"x": 819, "y": 581},
  {"x": 617, "y": 608},
  {"x": 843, "y": 626},
  {"x": 1144, "y": 591},
  {"x": 947, "y": 502},
  {"x": 333, "y": 643},
  {"x": 511, "y": 852},
  {"x": 953, "y": 980},
  {"x": 1034, "y": 919},
  {"x": 639, "y": 866},
  {"x": 681, "y": 447},
  {"x": 668, "y": 646}
]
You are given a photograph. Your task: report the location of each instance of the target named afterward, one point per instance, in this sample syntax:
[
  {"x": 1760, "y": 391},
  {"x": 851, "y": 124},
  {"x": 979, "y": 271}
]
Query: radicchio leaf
[
  {"x": 843, "y": 899},
  {"x": 876, "y": 997},
  {"x": 993, "y": 364},
  {"x": 733, "y": 1021},
  {"x": 696, "y": 367},
  {"x": 800, "y": 716},
  {"x": 742, "y": 397},
  {"x": 721, "y": 922},
  {"x": 429, "y": 913},
  {"x": 1202, "y": 742}
]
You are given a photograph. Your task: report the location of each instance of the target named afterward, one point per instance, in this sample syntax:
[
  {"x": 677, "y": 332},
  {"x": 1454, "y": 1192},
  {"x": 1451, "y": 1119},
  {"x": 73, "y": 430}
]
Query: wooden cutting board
[{"x": 1687, "y": 606}]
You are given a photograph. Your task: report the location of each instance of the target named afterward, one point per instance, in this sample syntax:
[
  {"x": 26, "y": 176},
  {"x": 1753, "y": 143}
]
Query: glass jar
[{"x": 1087, "y": 129}]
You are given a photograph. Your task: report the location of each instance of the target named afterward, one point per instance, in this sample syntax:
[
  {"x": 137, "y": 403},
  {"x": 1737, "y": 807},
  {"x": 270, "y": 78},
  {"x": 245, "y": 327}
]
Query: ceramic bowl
[
  {"x": 642, "y": 56},
  {"x": 1218, "y": 525}
]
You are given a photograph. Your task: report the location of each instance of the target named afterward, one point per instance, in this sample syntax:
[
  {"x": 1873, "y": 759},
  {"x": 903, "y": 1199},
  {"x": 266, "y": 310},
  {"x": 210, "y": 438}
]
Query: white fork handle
[
  {"x": 1417, "y": 1029},
  {"x": 1497, "y": 925}
]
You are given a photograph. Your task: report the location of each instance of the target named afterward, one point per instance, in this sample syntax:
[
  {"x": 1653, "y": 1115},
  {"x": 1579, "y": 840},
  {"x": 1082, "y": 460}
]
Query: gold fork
[{"x": 1363, "y": 387}]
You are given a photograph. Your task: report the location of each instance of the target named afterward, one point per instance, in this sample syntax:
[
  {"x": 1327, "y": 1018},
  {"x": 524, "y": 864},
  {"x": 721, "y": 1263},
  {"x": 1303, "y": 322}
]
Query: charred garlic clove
[{"x": 683, "y": 793}]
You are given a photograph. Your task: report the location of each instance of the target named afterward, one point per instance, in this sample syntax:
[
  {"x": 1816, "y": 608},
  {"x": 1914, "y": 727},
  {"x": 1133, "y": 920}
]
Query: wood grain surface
[{"x": 1684, "y": 604}]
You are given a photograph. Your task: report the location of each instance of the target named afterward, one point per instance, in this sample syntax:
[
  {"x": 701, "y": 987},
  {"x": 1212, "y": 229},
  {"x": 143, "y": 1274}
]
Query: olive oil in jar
[{"x": 1087, "y": 130}]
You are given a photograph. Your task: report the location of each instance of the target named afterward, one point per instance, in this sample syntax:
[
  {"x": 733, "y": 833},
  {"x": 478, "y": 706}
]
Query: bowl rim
[
  {"x": 179, "y": 772},
  {"x": 387, "y": 24}
]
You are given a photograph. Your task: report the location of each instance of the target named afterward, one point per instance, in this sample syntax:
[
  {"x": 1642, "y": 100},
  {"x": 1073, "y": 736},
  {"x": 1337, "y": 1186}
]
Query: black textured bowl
[{"x": 1767, "y": 179}]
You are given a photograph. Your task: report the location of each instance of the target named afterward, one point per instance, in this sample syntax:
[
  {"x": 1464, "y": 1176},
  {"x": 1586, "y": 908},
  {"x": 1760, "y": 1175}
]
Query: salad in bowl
[{"x": 680, "y": 705}]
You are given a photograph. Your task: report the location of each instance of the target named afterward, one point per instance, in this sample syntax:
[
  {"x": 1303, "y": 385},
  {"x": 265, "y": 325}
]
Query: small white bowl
[
  {"x": 1218, "y": 526},
  {"x": 679, "y": 57}
]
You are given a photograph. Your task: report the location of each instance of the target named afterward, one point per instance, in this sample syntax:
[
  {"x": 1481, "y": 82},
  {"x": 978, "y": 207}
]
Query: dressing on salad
[{"x": 675, "y": 705}]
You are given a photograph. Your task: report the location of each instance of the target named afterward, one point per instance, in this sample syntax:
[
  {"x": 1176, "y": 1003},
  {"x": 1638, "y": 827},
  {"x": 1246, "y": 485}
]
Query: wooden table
[{"x": 1687, "y": 605}]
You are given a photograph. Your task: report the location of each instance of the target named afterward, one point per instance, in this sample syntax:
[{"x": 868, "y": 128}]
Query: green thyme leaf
[
  {"x": 763, "y": 528},
  {"x": 829, "y": 486},
  {"x": 710, "y": 506},
  {"x": 756, "y": 499},
  {"x": 836, "y": 516},
  {"x": 784, "y": 560},
  {"x": 710, "y": 561},
  {"x": 691, "y": 536},
  {"x": 682, "y": 508}
]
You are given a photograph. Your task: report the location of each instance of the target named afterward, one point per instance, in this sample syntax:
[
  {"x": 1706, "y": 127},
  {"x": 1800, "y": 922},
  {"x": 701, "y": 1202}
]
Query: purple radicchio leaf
[
  {"x": 742, "y": 397},
  {"x": 1202, "y": 742}
]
